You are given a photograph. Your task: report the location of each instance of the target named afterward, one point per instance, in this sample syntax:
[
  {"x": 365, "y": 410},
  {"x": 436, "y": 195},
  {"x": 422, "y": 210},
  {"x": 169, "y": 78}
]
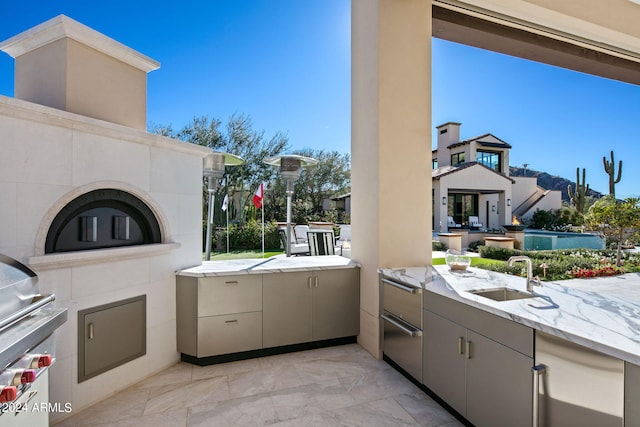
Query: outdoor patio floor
[{"x": 333, "y": 386}]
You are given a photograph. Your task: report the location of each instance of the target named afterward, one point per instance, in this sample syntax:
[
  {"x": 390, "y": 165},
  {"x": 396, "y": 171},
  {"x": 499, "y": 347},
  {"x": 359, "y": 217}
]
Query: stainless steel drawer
[
  {"x": 403, "y": 344},
  {"x": 229, "y": 294},
  {"x": 402, "y": 300},
  {"x": 229, "y": 333}
]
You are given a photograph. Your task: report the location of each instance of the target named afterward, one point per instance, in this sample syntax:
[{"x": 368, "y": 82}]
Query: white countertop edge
[
  {"x": 588, "y": 334},
  {"x": 260, "y": 266}
]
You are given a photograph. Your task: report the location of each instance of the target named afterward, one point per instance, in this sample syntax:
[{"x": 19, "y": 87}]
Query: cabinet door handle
[
  {"x": 402, "y": 286},
  {"x": 230, "y": 322},
  {"x": 403, "y": 326},
  {"x": 315, "y": 281},
  {"x": 468, "y": 349},
  {"x": 460, "y": 345},
  {"x": 309, "y": 282},
  {"x": 537, "y": 371},
  {"x": 231, "y": 282},
  {"x": 91, "y": 330}
]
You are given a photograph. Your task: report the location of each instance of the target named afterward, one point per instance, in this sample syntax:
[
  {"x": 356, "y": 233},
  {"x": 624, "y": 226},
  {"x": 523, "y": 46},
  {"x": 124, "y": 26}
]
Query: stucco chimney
[
  {"x": 448, "y": 133},
  {"x": 66, "y": 65}
]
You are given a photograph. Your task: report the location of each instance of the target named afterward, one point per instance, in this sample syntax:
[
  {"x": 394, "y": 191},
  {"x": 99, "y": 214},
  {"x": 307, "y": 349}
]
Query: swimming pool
[{"x": 544, "y": 240}]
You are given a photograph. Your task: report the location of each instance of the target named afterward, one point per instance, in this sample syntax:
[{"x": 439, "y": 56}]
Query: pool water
[{"x": 545, "y": 240}]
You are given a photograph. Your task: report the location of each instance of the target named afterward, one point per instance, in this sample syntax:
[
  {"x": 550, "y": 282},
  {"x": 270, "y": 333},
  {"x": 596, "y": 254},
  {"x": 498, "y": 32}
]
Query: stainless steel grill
[{"x": 27, "y": 347}]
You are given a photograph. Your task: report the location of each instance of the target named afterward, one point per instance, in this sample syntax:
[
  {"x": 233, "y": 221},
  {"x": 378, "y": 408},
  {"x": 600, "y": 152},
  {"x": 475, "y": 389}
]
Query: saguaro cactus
[
  {"x": 579, "y": 195},
  {"x": 610, "y": 169}
]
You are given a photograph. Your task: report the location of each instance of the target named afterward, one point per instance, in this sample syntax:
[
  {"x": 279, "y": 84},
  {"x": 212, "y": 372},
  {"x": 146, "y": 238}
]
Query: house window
[
  {"x": 434, "y": 163},
  {"x": 461, "y": 206},
  {"x": 457, "y": 158},
  {"x": 490, "y": 159}
]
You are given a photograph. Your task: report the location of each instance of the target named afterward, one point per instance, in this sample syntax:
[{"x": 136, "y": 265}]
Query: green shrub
[
  {"x": 501, "y": 254},
  {"x": 475, "y": 245},
  {"x": 438, "y": 246},
  {"x": 249, "y": 236},
  {"x": 558, "y": 264}
]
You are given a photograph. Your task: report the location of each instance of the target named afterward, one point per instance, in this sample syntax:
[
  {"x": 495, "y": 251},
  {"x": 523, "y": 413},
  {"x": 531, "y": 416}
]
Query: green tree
[
  {"x": 330, "y": 177},
  {"x": 617, "y": 220},
  {"x": 238, "y": 137}
]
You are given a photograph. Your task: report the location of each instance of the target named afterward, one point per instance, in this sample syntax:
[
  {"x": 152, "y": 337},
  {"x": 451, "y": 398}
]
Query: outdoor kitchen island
[
  {"x": 565, "y": 356},
  {"x": 237, "y": 309}
]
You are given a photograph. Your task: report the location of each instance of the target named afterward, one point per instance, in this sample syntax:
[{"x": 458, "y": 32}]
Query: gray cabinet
[
  {"x": 230, "y": 314},
  {"x": 631, "y": 394},
  {"x": 582, "y": 386},
  {"x": 444, "y": 360},
  {"x": 310, "y": 306},
  {"x": 219, "y": 315},
  {"x": 499, "y": 384},
  {"x": 287, "y": 308},
  {"x": 336, "y": 304},
  {"x": 478, "y": 363}
]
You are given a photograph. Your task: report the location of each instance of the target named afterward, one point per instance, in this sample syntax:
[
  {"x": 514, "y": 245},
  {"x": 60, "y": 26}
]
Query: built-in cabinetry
[
  {"x": 219, "y": 315},
  {"x": 584, "y": 387},
  {"x": 310, "y": 306},
  {"x": 479, "y": 363},
  {"x": 229, "y": 314}
]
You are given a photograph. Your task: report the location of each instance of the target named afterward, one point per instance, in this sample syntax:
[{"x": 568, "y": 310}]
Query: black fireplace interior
[{"x": 104, "y": 218}]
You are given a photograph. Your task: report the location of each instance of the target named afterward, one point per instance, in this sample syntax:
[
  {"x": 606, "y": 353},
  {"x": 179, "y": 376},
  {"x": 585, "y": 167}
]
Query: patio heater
[
  {"x": 213, "y": 169},
  {"x": 290, "y": 167}
]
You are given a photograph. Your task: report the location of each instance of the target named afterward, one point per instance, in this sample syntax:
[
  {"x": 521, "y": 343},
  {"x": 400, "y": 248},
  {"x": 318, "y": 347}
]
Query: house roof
[
  {"x": 438, "y": 173},
  {"x": 479, "y": 139},
  {"x": 341, "y": 197}
]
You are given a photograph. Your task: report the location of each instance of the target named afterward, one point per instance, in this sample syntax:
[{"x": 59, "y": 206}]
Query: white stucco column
[{"x": 390, "y": 145}]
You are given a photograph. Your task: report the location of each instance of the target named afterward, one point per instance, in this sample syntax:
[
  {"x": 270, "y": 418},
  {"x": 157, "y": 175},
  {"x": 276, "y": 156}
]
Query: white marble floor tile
[
  {"x": 310, "y": 399},
  {"x": 334, "y": 386},
  {"x": 426, "y": 411},
  {"x": 168, "y": 419},
  {"x": 323, "y": 369},
  {"x": 240, "y": 366},
  {"x": 178, "y": 373},
  {"x": 384, "y": 412},
  {"x": 170, "y": 398},
  {"x": 253, "y": 411},
  {"x": 378, "y": 384},
  {"x": 262, "y": 381},
  {"x": 128, "y": 404}
]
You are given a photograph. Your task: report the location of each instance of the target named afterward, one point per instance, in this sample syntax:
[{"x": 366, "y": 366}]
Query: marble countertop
[
  {"x": 602, "y": 316},
  {"x": 275, "y": 264}
]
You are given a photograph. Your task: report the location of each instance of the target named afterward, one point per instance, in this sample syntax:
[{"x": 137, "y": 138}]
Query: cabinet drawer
[
  {"x": 507, "y": 332},
  {"x": 229, "y": 333},
  {"x": 229, "y": 294}
]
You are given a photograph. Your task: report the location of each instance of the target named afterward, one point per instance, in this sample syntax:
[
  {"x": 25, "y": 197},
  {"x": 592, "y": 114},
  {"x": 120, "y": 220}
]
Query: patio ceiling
[{"x": 456, "y": 26}]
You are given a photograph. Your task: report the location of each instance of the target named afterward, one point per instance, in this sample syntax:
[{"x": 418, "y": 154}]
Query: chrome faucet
[{"x": 531, "y": 280}]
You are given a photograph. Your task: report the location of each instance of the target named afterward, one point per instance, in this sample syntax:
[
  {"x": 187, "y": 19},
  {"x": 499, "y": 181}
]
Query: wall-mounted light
[
  {"x": 444, "y": 200},
  {"x": 493, "y": 208},
  {"x": 508, "y": 202}
]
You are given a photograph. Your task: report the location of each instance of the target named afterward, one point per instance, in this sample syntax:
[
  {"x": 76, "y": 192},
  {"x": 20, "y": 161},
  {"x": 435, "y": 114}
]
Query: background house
[{"x": 470, "y": 178}]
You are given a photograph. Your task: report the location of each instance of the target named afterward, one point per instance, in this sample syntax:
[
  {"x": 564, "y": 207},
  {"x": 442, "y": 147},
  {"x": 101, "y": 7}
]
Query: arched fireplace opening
[{"x": 103, "y": 218}]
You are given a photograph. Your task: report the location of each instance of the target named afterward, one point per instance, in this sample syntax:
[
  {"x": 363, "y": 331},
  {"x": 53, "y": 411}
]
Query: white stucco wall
[
  {"x": 49, "y": 157},
  {"x": 551, "y": 201}
]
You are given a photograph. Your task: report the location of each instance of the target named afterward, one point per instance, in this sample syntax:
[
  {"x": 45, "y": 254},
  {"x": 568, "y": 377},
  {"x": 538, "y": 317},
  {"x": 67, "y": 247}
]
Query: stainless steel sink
[{"x": 502, "y": 294}]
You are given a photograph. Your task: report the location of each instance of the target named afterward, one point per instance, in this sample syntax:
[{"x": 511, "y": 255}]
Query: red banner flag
[{"x": 257, "y": 198}]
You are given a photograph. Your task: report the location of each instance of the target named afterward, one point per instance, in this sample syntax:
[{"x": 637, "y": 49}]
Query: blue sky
[{"x": 286, "y": 63}]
